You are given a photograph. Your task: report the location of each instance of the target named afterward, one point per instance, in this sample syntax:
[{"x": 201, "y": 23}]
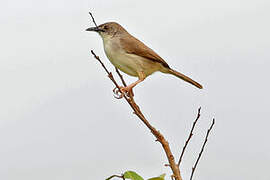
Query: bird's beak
[{"x": 96, "y": 29}]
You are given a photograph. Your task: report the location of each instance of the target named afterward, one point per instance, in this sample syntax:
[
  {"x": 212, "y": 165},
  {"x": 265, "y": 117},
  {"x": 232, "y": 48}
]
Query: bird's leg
[{"x": 128, "y": 89}]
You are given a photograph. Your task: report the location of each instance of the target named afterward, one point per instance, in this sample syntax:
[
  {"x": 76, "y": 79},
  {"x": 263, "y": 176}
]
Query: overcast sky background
[{"x": 58, "y": 117}]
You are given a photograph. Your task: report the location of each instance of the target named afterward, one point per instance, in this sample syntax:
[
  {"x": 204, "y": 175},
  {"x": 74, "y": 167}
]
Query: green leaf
[
  {"x": 132, "y": 175},
  {"x": 161, "y": 177}
]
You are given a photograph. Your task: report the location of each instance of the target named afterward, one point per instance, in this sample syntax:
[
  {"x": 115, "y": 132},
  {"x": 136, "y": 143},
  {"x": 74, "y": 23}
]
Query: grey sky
[{"x": 58, "y": 117}]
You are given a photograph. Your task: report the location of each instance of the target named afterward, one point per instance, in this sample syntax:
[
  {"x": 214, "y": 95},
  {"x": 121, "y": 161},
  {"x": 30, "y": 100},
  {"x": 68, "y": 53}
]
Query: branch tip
[
  {"x": 205, "y": 140},
  {"x": 190, "y": 136},
  {"x": 93, "y": 19}
]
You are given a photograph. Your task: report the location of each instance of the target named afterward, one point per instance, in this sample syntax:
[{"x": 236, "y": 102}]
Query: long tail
[{"x": 185, "y": 78}]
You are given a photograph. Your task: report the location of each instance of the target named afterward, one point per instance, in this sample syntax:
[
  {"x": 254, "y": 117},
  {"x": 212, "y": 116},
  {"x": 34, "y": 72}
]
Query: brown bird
[{"x": 132, "y": 56}]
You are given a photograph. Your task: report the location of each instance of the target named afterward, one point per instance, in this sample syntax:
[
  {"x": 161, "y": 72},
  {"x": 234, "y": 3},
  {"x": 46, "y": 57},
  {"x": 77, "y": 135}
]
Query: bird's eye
[{"x": 105, "y": 27}]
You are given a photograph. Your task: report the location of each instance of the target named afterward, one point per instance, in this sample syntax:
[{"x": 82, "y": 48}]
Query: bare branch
[
  {"x": 189, "y": 137},
  {"x": 109, "y": 75},
  {"x": 97, "y": 57},
  {"x": 93, "y": 19},
  {"x": 121, "y": 77},
  {"x": 122, "y": 177},
  {"x": 205, "y": 140},
  {"x": 156, "y": 133},
  {"x": 130, "y": 94}
]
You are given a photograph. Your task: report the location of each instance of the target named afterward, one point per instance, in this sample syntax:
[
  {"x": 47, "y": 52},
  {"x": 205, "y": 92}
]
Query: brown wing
[{"x": 135, "y": 46}]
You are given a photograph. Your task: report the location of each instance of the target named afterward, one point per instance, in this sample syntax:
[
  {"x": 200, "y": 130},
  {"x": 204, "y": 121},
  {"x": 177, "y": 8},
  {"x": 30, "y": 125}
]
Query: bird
[{"x": 132, "y": 56}]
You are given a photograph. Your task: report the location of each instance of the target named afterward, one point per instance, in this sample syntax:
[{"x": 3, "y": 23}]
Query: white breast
[
  {"x": 129, "y": 63},
  {"x": 119, "y": 58}
]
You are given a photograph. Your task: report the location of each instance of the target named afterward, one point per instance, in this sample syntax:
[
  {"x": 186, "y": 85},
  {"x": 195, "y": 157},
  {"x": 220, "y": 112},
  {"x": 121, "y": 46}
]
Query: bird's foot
[
  {"x": 118, "y": 93},
  {"x": 123, "y": 91},
  {"x": 127, "y": 90}
]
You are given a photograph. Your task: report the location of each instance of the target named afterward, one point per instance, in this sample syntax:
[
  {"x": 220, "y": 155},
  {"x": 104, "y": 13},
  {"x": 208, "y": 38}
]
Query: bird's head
[{"x": 109, "y": 29}]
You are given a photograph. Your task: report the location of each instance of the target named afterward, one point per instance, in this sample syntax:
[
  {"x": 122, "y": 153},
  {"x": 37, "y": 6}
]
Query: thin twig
[
  {"x": 130, "y": 94},
  {"x": 97, "y": 57},
  {"x": 206, "y": 138},
  {"x": 121, "y": 77},
  {"x": 189, "y": 137},
  {"x": 109, "y": 74},
  {"x": 122, "y": 177},
  {"x": 93, "y": 19},
  {"x": 156, "y": 133}
]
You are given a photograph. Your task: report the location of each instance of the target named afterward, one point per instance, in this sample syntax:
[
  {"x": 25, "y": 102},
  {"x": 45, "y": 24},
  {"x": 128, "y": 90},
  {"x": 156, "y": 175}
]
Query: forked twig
[
  {"x": 109, "y": 74},
  {"x": 200, "y": 154},
  {"x": 156, "y": 133},
  {"x": 189, "y": 137}
]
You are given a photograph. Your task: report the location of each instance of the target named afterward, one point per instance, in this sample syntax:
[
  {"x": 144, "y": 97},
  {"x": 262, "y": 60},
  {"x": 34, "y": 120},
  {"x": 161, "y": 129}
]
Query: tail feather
[{"x": 185, "y": 78}]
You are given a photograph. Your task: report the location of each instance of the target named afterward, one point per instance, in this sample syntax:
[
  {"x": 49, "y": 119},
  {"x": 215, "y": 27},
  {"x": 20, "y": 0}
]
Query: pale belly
[{"x": 130, "y": 64}]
